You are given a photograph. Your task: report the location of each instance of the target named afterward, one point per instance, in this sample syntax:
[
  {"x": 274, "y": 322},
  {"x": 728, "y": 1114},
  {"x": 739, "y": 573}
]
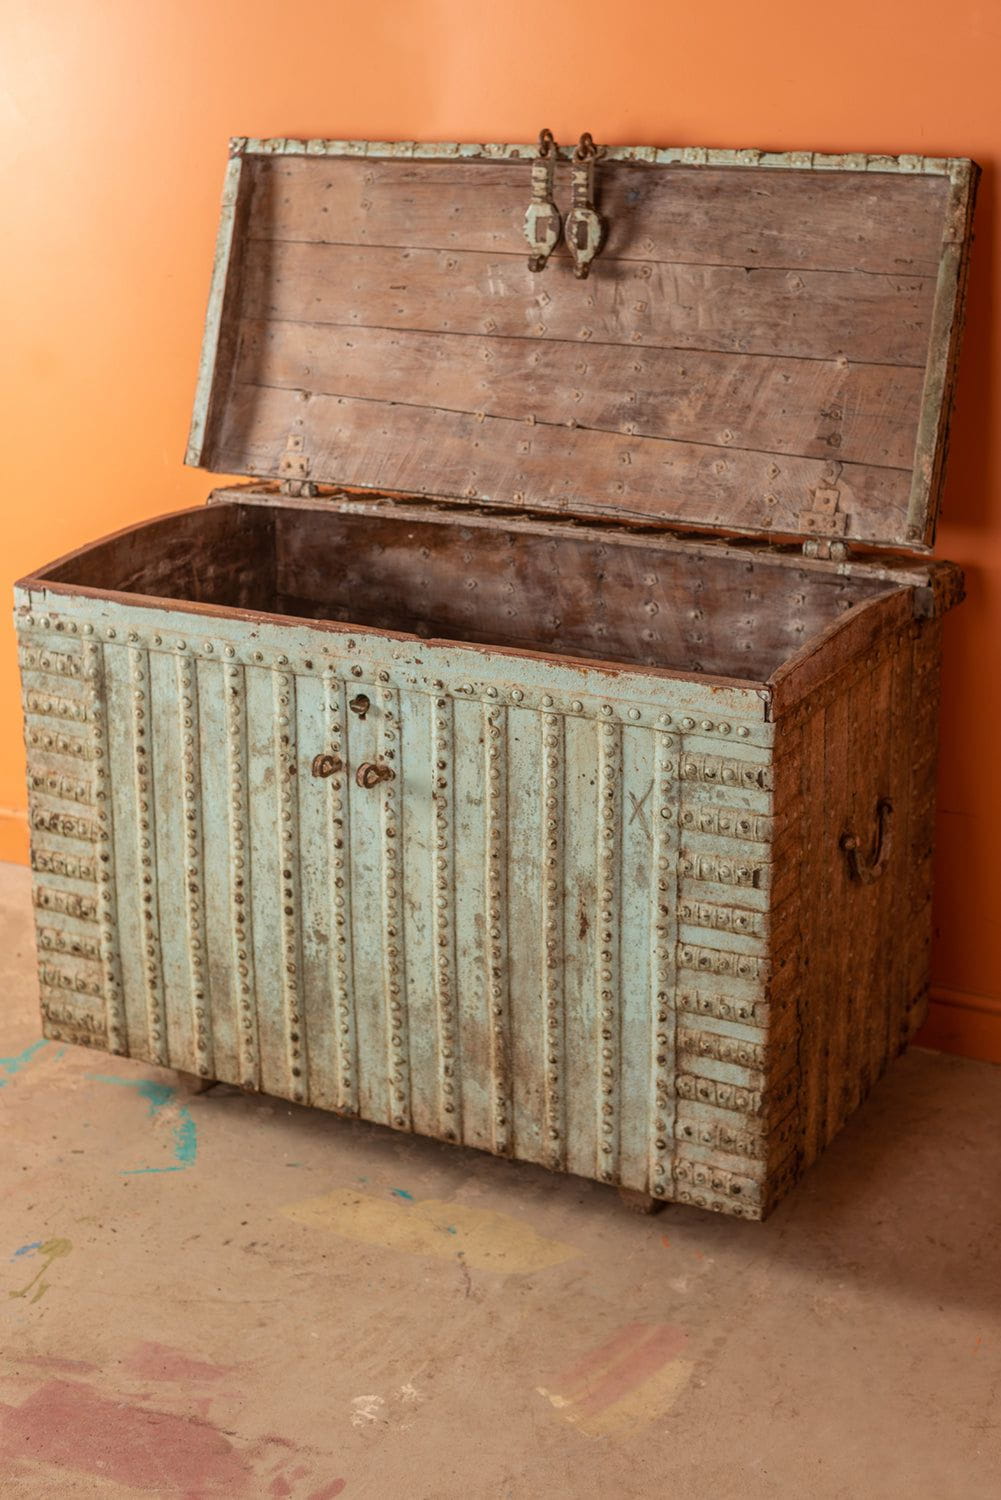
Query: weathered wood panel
[
  {"x": 811, "y": 408},
  {"x": 852, "y": 315},
  {"x": 399, "y": 288},
  {"x": 715, "y": 215},
  {"x": 870, "y": 733},
  {"x": 602, "y": 597},
  {"x": 593, "y": 598},
  {"x": 534, "y": 465}
]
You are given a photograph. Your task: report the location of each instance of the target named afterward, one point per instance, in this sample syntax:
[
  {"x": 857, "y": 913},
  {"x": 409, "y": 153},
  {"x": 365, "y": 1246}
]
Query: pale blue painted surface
[{"x": 384, "y": 949}]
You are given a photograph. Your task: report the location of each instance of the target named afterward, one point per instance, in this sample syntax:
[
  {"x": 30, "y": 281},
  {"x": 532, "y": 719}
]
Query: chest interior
[{"x": 608, "y": 597}]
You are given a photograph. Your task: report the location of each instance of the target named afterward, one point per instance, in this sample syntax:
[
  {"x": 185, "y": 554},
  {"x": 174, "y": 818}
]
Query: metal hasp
[
  {"x": 542, "y": 218},
  {"x": 585, "y": 228}
]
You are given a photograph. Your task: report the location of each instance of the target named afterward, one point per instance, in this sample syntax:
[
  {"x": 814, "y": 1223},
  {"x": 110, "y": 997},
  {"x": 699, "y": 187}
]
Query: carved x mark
[{"x": 638, "y": 809}]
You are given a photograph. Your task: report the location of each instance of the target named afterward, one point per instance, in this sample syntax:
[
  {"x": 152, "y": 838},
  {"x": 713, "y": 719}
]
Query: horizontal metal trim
[{"x": 651, "y": 156}]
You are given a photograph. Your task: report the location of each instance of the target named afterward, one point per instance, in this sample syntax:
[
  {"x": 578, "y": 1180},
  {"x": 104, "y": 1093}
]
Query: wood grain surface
[{"x": 758, "y": 349}]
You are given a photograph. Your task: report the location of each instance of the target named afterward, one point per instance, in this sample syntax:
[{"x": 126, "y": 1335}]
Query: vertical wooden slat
[
  {"x": 471, "y": 939},
  {"x": 872, "y": 964},
  {"x": 338, "y": 828},
  {"x": 526, "y": 948},
  {"x": 210, "y": 365},
  {"x": 811, "y": 1022},
  {"x": 664, "y": 815},
  {"x": 266, "y": 877},
  {"x": 496, "y": 883},
  {"x": 107, "y": 913},
  {"x": 126, "y": 697},
  {"x": 317, "y": 975},
  {"x": 392, "y": 753},
  {"x": 243, "y": 979},
  {"x": 553, "y": 1040},
  {"x": 286, "y": 770},
  {"x": 580, "y": 916},
  {"x": 217, "y": 873},
  {"x": 169, "y": 897},
  {"x": 416, "y": 823},
  {"x": 369, "y": 903},
  {"x": 903, "y": 745},
  {"x": 637, "y": 909},
  {"x": 443, "y": 867},
  {"x": 186, "y": 677},
  {"x": 835, "y": 1004},
  {"x": 607, "y": 940}
]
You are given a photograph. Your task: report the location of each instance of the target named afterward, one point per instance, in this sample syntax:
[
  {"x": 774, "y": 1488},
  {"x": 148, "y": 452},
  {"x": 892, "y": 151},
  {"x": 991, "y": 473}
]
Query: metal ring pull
[
  {"x": 542, "y": 218},
  {"x": 371, "y": 772},
  {"x": 865, "y": 871},
  {"x": 584, "y": 229},
  {"x": 327, "y": 765}
]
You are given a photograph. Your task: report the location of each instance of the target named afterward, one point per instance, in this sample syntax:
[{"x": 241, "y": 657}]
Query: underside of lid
[{"x": 765, "y": 344}]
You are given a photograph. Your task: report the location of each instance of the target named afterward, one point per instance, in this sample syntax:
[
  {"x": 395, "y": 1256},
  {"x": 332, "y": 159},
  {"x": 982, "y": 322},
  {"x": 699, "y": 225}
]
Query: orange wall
[{"x": 115, "y": 120}]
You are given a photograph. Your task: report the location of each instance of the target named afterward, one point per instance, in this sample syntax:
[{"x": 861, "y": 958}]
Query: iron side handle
[{"x": 864, "y": 870}]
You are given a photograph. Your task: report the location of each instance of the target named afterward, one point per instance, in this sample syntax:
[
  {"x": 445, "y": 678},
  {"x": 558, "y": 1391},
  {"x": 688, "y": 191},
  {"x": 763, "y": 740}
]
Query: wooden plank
[
  {"x": 166, "y": 797},
  {"x": 125, "y": 674},
  {"x": 321, "y": 985},
  {"x": 262, "y": 872},
  {"x": 829, "y": 952},
  {"x": 638, "y": 908},
  {"x": 811, "y": 408},
  {"x": 870, "y": 991},
  {"x": 217, "y": 869},
  {"x": 940, "y": 583},
  {"x": 417, "y": 853},
  {"x": 526, "y": 948},
  {"x": 843, "y": 643},
  {"x": 218, "y": 346},
  {"x": 724, "y": 215},
  {"x": 379, "y": 445},
  {"x": 882, "y": 319},
  {"x": 469, "y": 857},
  {"x": 366, "y": 879},
  {"x": 903, "y": 744},
  {"x": 944, "y": 336},
  {"x": 580, "y": 914}
]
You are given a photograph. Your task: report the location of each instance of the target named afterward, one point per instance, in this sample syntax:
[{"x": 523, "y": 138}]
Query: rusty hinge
[
  {"x": 294, "y": 468},
  {"x": 825, "y": 547},
  {"x": 826, "y": 518}
]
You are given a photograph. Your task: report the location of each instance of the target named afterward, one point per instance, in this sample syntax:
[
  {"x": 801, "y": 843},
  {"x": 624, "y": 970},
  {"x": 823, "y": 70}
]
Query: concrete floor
[{"x": 218, "y": 1295}]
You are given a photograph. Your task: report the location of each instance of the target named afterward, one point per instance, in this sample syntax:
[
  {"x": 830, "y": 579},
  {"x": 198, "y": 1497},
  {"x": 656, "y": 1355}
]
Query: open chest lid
[{"x": 766, "y": 343}]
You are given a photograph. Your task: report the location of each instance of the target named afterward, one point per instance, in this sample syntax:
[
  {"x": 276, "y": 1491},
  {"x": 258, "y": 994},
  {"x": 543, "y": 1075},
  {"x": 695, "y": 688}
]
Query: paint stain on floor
[
  {"x": 11, "y": 1066},
  {"x": 72, "y": 1426},
  {"x": 625, "y": 1383},
  {"x": 487, "y": 1241},
  {"x": 48, "y": 1252},
  {"x": 67, "y": 1424},
  {"x": 152, "y": 1361},
  {"x": 163, "y": 1109}
]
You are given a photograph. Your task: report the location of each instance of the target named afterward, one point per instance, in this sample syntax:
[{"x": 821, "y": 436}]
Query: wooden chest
[{"x": 539, "y": 752}]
